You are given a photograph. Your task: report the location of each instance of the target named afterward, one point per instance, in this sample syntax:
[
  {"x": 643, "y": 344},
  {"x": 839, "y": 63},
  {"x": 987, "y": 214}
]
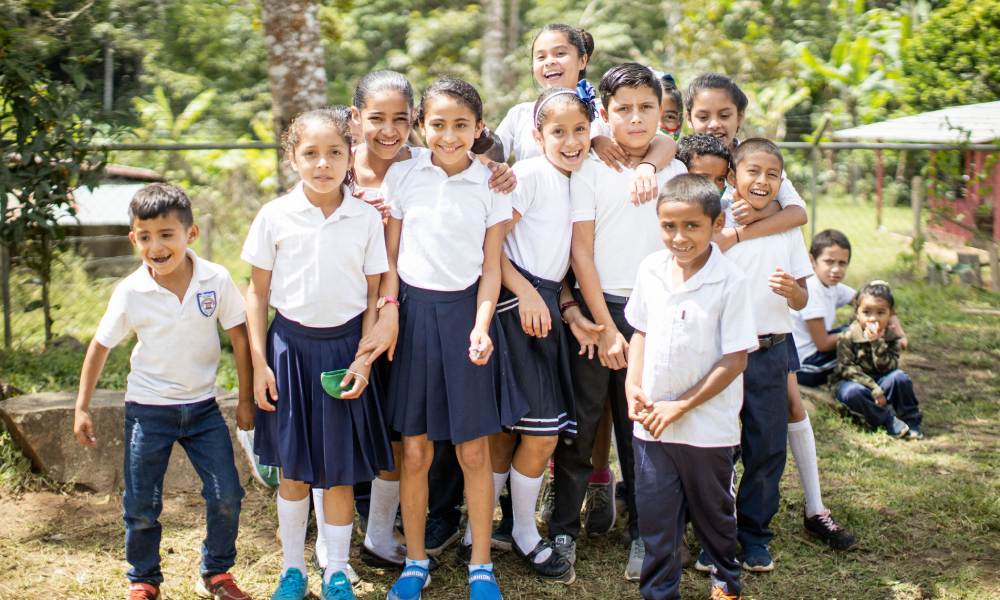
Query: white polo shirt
[
  {"x": 444, "y": 221},
  {"x": 688, "y": 330},
  {"x": 823, "y": 304},
  {"x": 624, "y": 234},
  {"x": 177, "y": 354},
  {"x": 758, "y": 259},
  {"x": 515, "y": 131},
  {"x": 318, "y": 265},
  {"x": 540, "y": 240}
]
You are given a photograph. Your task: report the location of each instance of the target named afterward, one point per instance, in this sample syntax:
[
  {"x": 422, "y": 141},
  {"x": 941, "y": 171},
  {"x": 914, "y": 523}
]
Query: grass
[{"x": 927, "y": 514}]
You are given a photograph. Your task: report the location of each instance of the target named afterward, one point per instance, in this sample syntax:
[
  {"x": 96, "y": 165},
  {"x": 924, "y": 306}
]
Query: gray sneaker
[
  {"x": 565, "y": 545},
  {"x": 636, "y": 554},
  {"x": 599, "y": 507},
  {"x": 897, "y": 428}
]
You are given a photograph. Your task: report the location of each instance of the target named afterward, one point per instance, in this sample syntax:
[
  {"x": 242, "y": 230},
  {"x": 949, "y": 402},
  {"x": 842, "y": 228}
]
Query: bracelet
[
  {"x": 359, "y": 376},
  {"x": 567, "y": 305},
  {"x": 736, "y": 230}
]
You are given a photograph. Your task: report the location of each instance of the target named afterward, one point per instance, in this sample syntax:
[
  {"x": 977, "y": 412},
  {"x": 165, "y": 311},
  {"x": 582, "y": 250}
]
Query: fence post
[
  {"x": 917, "y": 204},
  {"x": 207, "y": 231},
  {"x": 879, "y": 183},
  {"x": 5, "y": 284},
  {"x": 813, "y": 185}
]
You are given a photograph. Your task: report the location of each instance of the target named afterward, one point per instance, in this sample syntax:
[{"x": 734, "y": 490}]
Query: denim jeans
[
  {"x": 900, "y": 400},
  {"x": 150, "y": 433}
]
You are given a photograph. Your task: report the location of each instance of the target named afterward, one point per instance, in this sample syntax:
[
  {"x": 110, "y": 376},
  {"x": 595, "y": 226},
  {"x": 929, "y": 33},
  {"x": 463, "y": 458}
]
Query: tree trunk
[
  {"x": 511, "y": 69},
  {"x": 296, "y": 66},
  {"x": 45, "y": 274},
  {"x": 492, "y": 68},
  {"x": 5, "y": 288}
]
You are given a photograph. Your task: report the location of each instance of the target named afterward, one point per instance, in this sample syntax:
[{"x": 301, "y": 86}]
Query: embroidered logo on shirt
[{"x": 207, "y": 301}]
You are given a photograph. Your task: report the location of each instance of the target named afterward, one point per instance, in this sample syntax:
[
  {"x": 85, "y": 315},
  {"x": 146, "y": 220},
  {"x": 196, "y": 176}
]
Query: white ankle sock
[
  {"x": 523, "y": 497},
  {"x": 803, "y": 444},
  {"x": 338, "y": 549},
  {"x": 292, "y": 517},
  {"x": 499, "y": 480},
  {"x": 381, "y": 517}
]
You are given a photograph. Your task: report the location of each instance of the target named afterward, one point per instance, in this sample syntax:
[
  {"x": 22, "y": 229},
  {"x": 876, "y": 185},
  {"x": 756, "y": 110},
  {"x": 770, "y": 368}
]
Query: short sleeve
[
  {"x": 814, "y": 308},
  {"x": 739, "y": 331},
  {"x": 506, "y": 130},
  {"x": 390, "y": 194},
  {"x": 787, "y": 194},
  {"x": 583, "y": 194},
  {"x": 523, "y": 195},
  {"x": 798, "y": 260},
  {"x": 376, "y": 260},
  {"x": 845, "y": 294},
  {"x": 114, "y": 324},
  {"x": 499, "y": 210},
  {"x": 232, "y": 310},
  {"x": 599, "y": 127},
  {"x": 260, "y": 248},
  {"x": 635, "y": 309}
]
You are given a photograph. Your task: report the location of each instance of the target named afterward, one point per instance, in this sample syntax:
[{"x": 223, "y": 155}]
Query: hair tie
[
  {"x": 879, "y": 282},
  {"x": 668, "y": 79},
  {"x": 485, "y": 133},
  {"x": 585, "y": 92}
]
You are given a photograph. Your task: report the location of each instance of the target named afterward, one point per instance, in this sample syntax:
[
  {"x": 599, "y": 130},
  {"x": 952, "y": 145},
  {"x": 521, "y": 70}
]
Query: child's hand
[
  {"x": 661, "y": 415},
  {"x": 245, "y": 415},
  {"x": 265, "y": 389},
  {"x": 377, "y": 201},
  {"x": 358, "y": 373},
  {"x": 784, "y": 285},
  {"x": 610, "y": 152},
  {"x": 638, "y": 402},
  {"x": 83, "y": 429},
  {"x": 382, "y": 337},
  {"x": 536, "y": 320},
  {"x": 503, "y": 180},
  {"x": 584, "y": 330},
  {"x": 644, "y": 186},
  {"x": 480, "y": 347},
  {"x": 726, "y": 238},
  {"x": 879, "y": 397},
  {"x": 612, "y": 349},
  {"x": 743, "y": 212},
  {"x": 873, "y": 330}
]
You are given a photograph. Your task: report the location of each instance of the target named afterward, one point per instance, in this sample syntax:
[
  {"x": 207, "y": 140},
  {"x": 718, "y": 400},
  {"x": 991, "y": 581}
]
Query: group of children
[{"x": 445, "y": 322}]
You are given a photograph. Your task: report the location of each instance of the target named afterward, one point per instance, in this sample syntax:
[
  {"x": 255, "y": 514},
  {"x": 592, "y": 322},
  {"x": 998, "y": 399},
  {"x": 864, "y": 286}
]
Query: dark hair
[
  {"x": 377, "y": 81},
  {"x": 337, "y": 115},
  {"x": 465, "y": 93},
  {"x": 701, "y": 144},
  {"x": 716, "y": 81},
  {"x": 158, "y": 200},
  {"x": 876, "y": 289},
  {"x": 670, "y": 90},
  {"x": 580, "y": 39},
  {"x": 631, "y": 75},
  {"x": 552, "y": 97},
  {"x": 752, "y": 145},
  {"x": 827, "y": 239},
  {"x": 690, "y": 188}
]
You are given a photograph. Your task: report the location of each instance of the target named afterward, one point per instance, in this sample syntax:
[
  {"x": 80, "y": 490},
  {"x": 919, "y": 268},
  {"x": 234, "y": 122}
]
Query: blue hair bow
[
  {"x": 585, "y": 92},
  {"x": 668, "y": 79}
]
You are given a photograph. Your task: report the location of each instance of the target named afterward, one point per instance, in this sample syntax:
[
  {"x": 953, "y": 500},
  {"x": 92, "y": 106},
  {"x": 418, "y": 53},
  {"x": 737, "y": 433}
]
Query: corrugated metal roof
[
  {"x": 948, "y": 125},
  {"x": 106, "y": 204}
]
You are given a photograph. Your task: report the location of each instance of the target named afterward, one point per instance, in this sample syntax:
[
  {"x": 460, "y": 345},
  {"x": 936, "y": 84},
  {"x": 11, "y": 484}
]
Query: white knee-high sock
[
  {"x": 523, "y": 497},
  {"x": 338, "y": 549},
  {"x": 381, "y": 516},
  {"x": 292, "y": 517},
  {"x": 803, "y": 443},
  {"x": 499, "y": 480},
  {"x": 317, "y": 499}
]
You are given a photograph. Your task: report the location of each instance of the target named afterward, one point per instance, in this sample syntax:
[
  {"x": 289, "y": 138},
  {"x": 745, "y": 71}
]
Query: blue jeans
[
  {"x": 150, "y": 433},
  {"x": 900, "y": 400}
]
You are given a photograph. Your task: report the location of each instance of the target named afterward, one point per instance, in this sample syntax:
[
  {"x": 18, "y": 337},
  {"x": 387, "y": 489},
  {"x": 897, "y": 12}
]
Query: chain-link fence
[{"x": 875, "y": 192}]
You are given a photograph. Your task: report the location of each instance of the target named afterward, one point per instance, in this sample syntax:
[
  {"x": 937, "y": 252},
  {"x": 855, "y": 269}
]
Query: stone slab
[{"x": 42, "y": 426}]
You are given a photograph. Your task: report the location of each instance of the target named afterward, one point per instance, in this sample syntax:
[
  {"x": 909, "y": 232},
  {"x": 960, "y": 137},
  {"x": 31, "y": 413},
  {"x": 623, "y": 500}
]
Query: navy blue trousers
[
  {"x": 899, "y": 396},
  {"x": 762, "y": 443}
]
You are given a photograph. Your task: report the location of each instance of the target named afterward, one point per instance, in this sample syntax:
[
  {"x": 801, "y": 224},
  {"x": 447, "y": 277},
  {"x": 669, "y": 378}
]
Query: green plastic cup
[{"x": 331, "y": 381}]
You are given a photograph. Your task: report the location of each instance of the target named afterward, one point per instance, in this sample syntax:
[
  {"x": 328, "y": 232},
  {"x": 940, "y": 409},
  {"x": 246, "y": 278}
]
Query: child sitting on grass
[{"x": 869, "y": 381}]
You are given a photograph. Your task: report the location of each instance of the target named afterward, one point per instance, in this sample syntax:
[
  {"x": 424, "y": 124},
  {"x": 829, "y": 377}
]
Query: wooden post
[
  {"x": 993, "y": 246},
  {"x": 879, "y": 182},
  {"x": 207, "y": 231},
  {"x": 917, "y": 192},
  {"x": 5, "y": 285}
]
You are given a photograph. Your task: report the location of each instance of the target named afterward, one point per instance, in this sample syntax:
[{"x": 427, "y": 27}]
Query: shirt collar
[
  {"x": 476, "y": 173},
  {"x": 711, "y": 272},
  {"x": 350, "y": 207},
  {"x": 146, "y": 283}
]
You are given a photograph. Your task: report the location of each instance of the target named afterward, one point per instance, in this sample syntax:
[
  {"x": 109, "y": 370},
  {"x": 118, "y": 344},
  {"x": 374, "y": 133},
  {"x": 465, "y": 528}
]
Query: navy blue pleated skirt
[
  {"x": 312, "y": 436},
  {"x": 535, "y": 372},
  {"x": 434, "y": 388}
]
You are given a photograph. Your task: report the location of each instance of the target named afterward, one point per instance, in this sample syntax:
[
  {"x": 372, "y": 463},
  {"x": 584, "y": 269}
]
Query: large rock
[{"x": 42, "y": 425}]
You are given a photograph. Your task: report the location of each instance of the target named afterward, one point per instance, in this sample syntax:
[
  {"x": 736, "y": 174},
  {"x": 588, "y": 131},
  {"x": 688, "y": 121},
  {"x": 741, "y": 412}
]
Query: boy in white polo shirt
[
  {"x": 693, "y": 330},
  {"x": 175, "y": 303}
]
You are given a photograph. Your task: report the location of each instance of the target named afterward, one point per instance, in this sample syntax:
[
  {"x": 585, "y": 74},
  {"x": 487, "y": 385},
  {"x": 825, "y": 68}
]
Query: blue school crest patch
[{"x": 207, "y": 301}]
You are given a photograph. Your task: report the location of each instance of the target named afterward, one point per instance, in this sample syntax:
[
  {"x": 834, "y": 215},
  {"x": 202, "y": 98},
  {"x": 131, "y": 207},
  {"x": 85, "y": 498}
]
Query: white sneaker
[
  {"x": 636, "y": 554},
  {"x": 262, "y": 474}
]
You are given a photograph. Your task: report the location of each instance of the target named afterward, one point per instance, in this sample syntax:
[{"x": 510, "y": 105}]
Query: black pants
[
  {"x": 593, "y": 386},
  {"x": 445, "y": 486},
  {"x": 674, "y": 481}
]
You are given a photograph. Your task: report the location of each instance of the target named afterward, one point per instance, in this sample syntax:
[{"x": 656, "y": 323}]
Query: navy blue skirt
[
  {"x": 434, "y": 388},
  {"x": 535, "y": 372},
  {"x": 312, "y": 436}
]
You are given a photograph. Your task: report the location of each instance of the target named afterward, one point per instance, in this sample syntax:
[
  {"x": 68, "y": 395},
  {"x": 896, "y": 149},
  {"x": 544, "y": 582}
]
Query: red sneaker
[
  {"x": 220, "y": 586},
  {"x": 720, "y": 593},
  {"x": 138, "y": 590}
]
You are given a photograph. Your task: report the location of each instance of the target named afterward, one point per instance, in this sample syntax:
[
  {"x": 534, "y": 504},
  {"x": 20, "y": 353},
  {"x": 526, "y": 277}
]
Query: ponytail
[{"x": 483, "y": 142}]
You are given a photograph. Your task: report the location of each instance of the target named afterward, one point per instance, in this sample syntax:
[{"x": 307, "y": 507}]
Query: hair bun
[{"x": 588, "y": 41}]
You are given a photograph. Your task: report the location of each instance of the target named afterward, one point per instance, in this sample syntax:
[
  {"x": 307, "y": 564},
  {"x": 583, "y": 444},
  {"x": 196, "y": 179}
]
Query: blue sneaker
[
  {"x": 483, "y": 586},
  {"x": 338, "y": 588},
  {"x": 757, "y": 559},
  {"x": 292, "y": 586},
  {"x": 412, "y": 581}
]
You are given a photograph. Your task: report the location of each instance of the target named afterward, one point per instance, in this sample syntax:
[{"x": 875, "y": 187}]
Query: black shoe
[
  {"x": 556, "y": 567},
  {"x": 438, "y": 536},
  {"x": 373, "y": 559},
  {"x": 463, "y": 552},
  {"x": 825, "y": 528}
]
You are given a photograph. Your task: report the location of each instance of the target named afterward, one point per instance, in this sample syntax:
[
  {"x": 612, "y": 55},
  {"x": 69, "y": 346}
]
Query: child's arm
[
  {"x": 480, "y": 344},
  {"x": 93, "y": 365},
  {"x": 535, "y": 317},
  {"x": 885, "y": 354},
  {"x": 638, "y": 402},
  {"x": 503, "y": 180},
  {"x": 244, "y": 374},
  {"x": 612, "y": 348},
  {"x": 360, "y": 370},
  {"x": 258, "y": 295},
  {"x": 825, "y": 342},
  {"x": 662, "y": 150},
  {"x": 584, "y": 330},
  {"x": 385, "y": 332},
  {"x": 897, "y": 327},
  {"x": 790, "y": 288}
]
